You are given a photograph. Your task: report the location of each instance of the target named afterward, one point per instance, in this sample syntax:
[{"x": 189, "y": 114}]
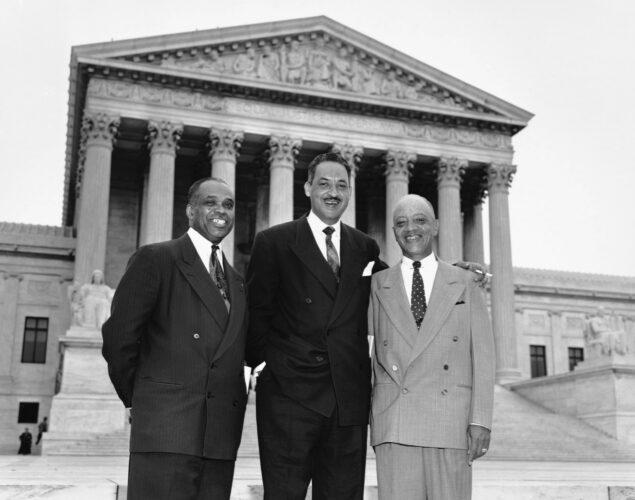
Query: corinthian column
[
  {"x": 98, "y": 135},
  {"x": 225, "y": 148},
  {"x": 163, "y": 138},
  {"x": 502, "y": 291},
  {"x": 449, "y": 176},
  {"x": 353, "y": 155},
  {"x": 281, "y": 157},
  {"x": 398, "y": 170}
]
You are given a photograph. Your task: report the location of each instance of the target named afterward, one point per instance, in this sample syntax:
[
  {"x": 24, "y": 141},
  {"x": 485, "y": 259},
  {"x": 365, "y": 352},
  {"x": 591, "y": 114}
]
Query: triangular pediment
[{"x": 313, "y": 56}]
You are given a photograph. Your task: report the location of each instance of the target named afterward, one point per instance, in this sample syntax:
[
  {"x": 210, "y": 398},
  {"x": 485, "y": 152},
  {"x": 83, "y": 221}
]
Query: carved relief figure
[
  {"x": 245, "y": 64},
  {"x": 601, "y": 340},
  {"x": 368, "y": 78},
  {"x": 343, "y": 71},
  {"x": 391, "y": 87},
  {"x": 293, "y": 64},
  {"x": 319, "y": 74},
  {"x": 95, "y": 298},
  {"x": 215, "y": 63},
  {"x": 76, "y": 302},
  {"x": 269, "y": 64}
]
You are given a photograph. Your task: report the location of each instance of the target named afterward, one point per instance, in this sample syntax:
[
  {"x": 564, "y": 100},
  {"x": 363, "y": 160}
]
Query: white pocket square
[{"x": 368, "y": 270}]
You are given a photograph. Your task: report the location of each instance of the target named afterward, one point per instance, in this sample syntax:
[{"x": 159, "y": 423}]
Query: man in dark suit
[
  {"x": 175, "y": 350},
  {"x": 309, "y": 283}
]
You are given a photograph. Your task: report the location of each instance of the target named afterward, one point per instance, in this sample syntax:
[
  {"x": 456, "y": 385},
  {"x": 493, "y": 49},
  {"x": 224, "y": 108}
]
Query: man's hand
[
  {"x": 482, "y": 276},
  {"x": 477, "y": 442}
]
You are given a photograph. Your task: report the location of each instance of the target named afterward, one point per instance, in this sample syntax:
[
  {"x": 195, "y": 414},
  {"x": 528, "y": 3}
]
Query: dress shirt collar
[
  {"x": 204, "y": 247},
  {"x": 317, "y": 226},
  {"x": 427, "y": 263}
]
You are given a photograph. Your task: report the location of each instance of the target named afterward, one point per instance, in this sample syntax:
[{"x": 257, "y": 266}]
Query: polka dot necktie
[
  {"x": 218, "y": 275},
  {"x": 331, "y": 254},
  {"x": 418, "y": 298}
]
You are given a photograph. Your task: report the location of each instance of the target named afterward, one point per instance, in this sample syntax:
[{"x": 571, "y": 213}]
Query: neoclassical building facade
[{"x": 253, "y": 105}]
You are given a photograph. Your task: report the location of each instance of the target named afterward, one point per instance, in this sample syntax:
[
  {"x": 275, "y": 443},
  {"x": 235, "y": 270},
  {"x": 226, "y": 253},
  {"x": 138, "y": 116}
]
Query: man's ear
[
  {"x": 307, "y": 189},
  {"x": 435, "y": 226},
  {"x": 188, "y": 211}
]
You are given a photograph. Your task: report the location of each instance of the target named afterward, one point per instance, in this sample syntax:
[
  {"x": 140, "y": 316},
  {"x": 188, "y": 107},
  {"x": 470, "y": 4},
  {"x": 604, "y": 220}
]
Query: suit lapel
[
  {"x": 309, "y": 253},
  {"x": 445, "y": 291},
  {"x": 350, "y": 271},
  {"x": 236, "y": 311},
  {"x": 199, "y": 279},
  {"x": 393, "y": 298}
]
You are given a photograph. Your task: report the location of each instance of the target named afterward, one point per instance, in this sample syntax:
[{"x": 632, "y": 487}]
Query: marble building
[{"x": 253, "y": 105}]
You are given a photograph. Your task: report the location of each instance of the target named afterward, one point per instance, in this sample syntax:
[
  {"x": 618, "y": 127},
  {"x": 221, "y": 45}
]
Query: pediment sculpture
[
  {"x": 603, "y": 338},
  {"x": 318, "y": 62}
]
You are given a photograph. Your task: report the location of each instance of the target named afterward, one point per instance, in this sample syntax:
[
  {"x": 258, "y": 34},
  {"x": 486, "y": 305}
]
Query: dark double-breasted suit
[
  {"x": 176, "y": 356},
  {"x": 309, "y": 328}
]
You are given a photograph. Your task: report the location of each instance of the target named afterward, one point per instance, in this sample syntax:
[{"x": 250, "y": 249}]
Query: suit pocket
[
  {"x": 464, "y": 386},
  {"x": 161, "y": 382}
]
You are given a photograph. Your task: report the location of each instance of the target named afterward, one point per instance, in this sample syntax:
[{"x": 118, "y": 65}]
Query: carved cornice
[
  {"x": 225, "y": 144},
  {"x": 398, "y": 165},
  {"x": 352, "y": 154},
  {"x": 450, "y": 171},
  {"x": 283, "y": 151},
  {"x": 499, "y": 177},
  {"x": 164, "y": 136}
]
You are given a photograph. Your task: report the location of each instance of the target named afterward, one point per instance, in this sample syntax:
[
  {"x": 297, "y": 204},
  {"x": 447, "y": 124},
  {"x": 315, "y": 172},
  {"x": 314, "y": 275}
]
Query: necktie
[
  {"x": 418, "y": 299},
  {"x": 218, "y": 275},
  {"x": 331, "y": 254}
]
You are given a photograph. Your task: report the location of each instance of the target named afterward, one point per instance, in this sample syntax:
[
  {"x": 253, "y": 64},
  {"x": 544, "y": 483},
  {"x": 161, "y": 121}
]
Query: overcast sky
[{"x": 571, "y": 63}]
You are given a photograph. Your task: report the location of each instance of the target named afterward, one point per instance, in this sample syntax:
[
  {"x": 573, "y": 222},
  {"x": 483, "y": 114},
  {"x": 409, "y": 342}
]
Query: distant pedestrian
[
  {"x": 41, "y": 428},
  {"x": 26, "y": 438}
]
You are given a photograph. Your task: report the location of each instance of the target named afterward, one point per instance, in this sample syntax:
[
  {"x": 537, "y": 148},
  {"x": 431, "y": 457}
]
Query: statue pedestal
[
  {"x": 86, "y": 404},
  {"x": 601, "y": 392}
]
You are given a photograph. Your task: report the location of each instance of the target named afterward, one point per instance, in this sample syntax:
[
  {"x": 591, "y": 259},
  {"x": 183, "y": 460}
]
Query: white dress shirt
[
  {"x": 428, "y": 270},
  {"x": 317, "y": 228},
  {"x": 204, "y": 248}
]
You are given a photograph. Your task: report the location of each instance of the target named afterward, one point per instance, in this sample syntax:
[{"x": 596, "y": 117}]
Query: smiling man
[
  {"x": 433, "y": 367},
  {"x": 309, "y": 281},
  {"x": 175, "y": 344}
]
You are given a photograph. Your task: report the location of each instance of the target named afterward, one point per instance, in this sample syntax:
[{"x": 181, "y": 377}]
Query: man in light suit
[
  {"x": 433, "y": 367},
  {"x": 309, "y": 283},
  {"x": 175, "y": 346}
]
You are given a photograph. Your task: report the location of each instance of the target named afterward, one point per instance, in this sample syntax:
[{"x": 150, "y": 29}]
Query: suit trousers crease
[
  {"x": 298, "y": 445},
  {"x": 421, "y": 473},
  {"x": 173, "y": 476}
]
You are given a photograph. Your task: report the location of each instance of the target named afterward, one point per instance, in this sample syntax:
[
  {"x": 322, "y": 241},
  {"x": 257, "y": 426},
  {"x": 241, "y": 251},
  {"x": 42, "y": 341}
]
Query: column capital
[
  {"x": 398, "y": 165},
  {"x": 225, "y": 144},
  {"x": 499, "y": 176},
  {"x": 163, "y": 136},
  {"x": 99, "y": 129},
  {"x": 352, "y": 154},
  {"x": 283, "y": 151},
  {"x": 450, "y": 171}
]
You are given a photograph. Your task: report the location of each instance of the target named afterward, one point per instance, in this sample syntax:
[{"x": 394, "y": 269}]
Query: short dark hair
[
  {"x": 334, "y": 157},
  {"x": 193, "y": 191}
]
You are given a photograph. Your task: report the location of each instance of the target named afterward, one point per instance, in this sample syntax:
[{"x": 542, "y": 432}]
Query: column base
[{"x": 508, "y": 376}]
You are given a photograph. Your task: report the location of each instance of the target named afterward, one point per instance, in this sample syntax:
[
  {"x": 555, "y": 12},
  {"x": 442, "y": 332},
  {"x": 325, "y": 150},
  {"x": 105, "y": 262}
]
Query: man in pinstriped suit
[{"x": 433, "y": 367}]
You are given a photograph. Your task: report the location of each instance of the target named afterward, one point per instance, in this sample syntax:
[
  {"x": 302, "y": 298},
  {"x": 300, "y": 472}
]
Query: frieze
[
  {"x": 317, "y": 61},
  {"x": 197, "y": 101}
]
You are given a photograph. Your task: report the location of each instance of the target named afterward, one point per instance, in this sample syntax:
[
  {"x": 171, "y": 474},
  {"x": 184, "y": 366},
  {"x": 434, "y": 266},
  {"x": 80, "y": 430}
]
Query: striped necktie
[
  {"x": 216, "y": 271},
  {"x": 331, "y": 254}
]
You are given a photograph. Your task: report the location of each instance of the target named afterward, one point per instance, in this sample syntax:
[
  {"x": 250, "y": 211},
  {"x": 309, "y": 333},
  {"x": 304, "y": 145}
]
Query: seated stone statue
[
  {"x": 601, "y": 340},
  {"x": 90, "y": 303}
]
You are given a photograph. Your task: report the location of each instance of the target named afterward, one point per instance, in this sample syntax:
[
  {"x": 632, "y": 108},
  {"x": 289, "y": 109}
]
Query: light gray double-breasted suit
[{"x": 430, "y": 383}]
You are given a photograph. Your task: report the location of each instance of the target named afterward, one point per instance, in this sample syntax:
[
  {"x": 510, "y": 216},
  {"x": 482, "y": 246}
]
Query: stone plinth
[
  {"x": 602, "y": 395},
  {"x": 86, "y": 404}
]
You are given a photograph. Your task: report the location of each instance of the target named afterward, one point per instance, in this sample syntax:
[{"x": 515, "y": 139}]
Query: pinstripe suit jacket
[
  {"x": 430, "y": 384},
  {"x": 175, "y": 355}
]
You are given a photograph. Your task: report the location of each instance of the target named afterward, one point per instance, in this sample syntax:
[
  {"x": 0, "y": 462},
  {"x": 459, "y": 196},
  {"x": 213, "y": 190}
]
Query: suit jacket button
[
  {"x": 385, "y": 343},
  {"x": 395, "y": 368},
  {"x": 212, "y": 366},
  {"x": 444, "y": 392},
  {"x": 308, "y": 300},
  {"x": 210, "y": 395},
  {"x": 235, "y": 403},
  {"x": 196, "y": 336},
  {"x": 404, "y": 390},
  {"x": 445, "y": 367},
  {"x": 455, "y": 339},
  {"x": 319, "y": 359}
]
